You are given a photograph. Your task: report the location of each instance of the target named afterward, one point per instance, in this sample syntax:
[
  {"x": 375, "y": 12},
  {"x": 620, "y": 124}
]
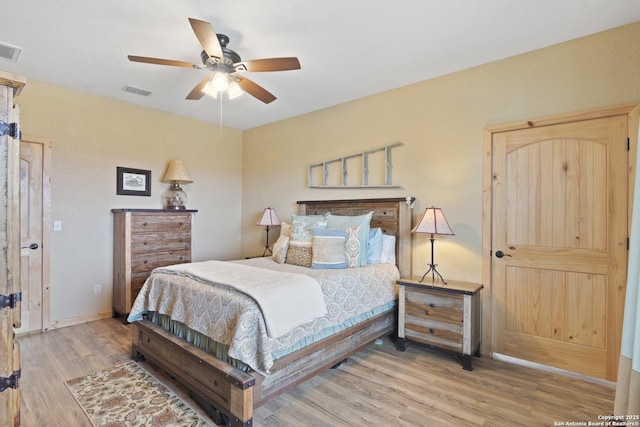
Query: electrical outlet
[{"x": 97, "y": 289}]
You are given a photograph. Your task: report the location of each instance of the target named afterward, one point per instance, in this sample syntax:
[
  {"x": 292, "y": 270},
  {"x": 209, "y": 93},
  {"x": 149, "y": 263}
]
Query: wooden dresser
[
  {"x": 144, "y": 239},
  {"x": 441, "y": 316}
]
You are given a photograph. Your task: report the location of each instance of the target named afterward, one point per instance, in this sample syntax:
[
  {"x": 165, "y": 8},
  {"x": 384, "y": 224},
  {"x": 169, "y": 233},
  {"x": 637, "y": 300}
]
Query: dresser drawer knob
[
  {"x": 144, "y": 224},
  {"x": 180, "y": 240},
  {"x": 431, "y": 330},
  {"x": 180, "y": 223},
  {"x": 144, "y": 243},
  {"x": 144, "y": 262},
  {"x": 432, "y": 305}
]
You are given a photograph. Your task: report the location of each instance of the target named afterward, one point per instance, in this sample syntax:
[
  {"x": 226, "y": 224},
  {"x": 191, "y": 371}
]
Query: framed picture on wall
[{"x": 133, "y": 182}]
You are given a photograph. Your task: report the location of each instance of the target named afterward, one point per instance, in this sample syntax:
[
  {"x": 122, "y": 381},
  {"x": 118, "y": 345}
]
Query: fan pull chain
[{"x": 220, "y": 136}]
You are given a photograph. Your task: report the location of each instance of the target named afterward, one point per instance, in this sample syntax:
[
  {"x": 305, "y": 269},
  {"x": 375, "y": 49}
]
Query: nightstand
[{"x": 445, "y": 317}]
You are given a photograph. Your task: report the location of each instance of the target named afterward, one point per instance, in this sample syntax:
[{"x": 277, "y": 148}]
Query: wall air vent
[
  {"x": 137, "y": 90},
  {"x": 9, "y": 52}
]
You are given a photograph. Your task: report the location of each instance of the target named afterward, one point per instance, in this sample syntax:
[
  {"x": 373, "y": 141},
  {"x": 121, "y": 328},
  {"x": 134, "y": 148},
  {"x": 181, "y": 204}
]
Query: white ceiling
[{"x": 347, "y": 49}]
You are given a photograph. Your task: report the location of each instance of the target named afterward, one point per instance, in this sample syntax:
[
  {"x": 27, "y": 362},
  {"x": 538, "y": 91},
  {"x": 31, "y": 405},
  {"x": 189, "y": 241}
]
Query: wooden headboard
[{"x": 392, "y": 215}]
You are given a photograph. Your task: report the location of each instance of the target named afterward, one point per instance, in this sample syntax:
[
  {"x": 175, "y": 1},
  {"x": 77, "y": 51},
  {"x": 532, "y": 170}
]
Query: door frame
[
  {"x": 633, "y": 113},
  {"x": 46, "y": 225}
]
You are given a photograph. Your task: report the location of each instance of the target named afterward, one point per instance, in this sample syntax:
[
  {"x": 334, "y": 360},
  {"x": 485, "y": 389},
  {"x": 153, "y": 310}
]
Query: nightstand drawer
[
  {"x": 152, "y": 242},
  {"x": 447, "y": 308},
  {"x": 429, "y": 332}
]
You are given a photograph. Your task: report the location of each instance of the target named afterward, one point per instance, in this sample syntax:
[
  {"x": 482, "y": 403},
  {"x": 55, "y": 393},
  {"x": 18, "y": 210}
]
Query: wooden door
[
  {"x": 10, "y": 85},
  {"x": 34, "y": 232},
  {"x": 560, "y": 219}
]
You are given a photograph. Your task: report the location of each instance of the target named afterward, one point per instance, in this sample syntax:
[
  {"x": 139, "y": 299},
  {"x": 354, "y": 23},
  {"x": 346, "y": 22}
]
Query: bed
[{"x": 230, "y": 390}]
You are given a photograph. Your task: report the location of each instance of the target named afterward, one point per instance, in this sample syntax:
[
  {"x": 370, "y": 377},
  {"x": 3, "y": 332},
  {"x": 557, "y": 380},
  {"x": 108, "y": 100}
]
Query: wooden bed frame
[{"x": 230, "y": 395}]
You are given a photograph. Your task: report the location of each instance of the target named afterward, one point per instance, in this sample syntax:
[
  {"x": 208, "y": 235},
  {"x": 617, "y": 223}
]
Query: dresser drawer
[
  {"x": 153, "y": 242},
  {"x": 144, "y": 223},
  {"x": 145, "y": 262}
]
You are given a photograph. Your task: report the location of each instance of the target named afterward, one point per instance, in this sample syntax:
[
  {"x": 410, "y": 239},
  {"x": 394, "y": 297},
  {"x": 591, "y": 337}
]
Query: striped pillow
[{"x": 328, "y": 248}]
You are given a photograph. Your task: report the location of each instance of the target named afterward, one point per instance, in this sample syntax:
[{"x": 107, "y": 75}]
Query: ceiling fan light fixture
[
  {"x": 234, "y": 90},
  {"x": 220, "y": 81},
  {"x": 208, "y": 89}
]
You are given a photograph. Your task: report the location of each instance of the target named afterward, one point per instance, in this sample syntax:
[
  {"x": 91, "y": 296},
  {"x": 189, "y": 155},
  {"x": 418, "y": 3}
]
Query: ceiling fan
[{"x": 225, "y": 66}]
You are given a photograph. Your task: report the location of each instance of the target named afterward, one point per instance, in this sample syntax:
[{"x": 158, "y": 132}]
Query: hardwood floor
[{"x": 377, "y": 386}]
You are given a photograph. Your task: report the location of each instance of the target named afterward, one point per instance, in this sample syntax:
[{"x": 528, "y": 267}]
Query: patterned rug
[{"x": 128, "y": 395}]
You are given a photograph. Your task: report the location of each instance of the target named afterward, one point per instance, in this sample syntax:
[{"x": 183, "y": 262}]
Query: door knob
[
  {"x": 500, "y": 254},
  {"x": 31, "y": 246}
]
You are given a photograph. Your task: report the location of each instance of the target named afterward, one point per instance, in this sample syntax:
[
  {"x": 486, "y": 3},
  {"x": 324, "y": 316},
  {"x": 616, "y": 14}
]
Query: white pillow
[
  {"x": 388, "y": 249},
  {"x": 280, "y": 249}
]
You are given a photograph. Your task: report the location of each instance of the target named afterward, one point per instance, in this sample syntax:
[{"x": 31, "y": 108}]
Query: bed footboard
[
  {"x": 210, "y": 380},
  {"x": 219, "y": 387}
]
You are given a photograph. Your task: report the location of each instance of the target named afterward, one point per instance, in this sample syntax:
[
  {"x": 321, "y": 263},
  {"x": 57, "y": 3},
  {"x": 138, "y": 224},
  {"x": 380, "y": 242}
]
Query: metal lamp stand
[
  {"x": 266, "y": 247},
  {"x": 432, "y": 267}
]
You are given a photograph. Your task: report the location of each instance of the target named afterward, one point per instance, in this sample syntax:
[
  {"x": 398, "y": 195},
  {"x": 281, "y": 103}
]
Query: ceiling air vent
[
  {"x": 137, "y": 90},
  {"x": 9, "y": 52}
]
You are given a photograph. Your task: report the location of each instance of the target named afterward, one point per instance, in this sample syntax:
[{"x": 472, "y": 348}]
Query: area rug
[{"x": 128, "y": 395}]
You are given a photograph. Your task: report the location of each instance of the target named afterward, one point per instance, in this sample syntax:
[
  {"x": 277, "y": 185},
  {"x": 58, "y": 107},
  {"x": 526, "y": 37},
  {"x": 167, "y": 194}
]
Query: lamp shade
[
  {"x": 177, "y": 171},
  {"x": 269, "y": 218},
  {"x": 433, "y": 222}
]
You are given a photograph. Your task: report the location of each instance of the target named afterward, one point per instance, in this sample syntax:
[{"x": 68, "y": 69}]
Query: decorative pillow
[
  {"x": 388, "y": 249},
  {"x": 340, "y": 221},
  {"x": 374, "y": 246},
  {"x": 353, "y": 246},
  {"x": 280, "y": 249},
  {"x": 302, "y": 230},
  {"x": 299, "y": 253},
  {"x": 328, "y": 248},
  {"x": 285, "y": 229}
]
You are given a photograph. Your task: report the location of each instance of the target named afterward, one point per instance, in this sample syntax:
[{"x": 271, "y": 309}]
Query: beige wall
[
  {"x": 91, "y": 136},
  {"x": 440, "y": 123},
  {"x": 237, "y": 174}
]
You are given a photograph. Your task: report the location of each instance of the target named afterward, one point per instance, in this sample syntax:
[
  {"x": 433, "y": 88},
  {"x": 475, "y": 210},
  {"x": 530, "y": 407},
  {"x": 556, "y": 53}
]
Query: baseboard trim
[
  {"x": 70, "y": 321},
  {"x": 541, "y": 367}
]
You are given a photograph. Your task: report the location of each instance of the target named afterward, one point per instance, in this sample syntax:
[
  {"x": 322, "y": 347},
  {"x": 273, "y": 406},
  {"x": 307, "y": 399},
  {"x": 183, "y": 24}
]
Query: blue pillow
[{"x": 374, "y": 246}]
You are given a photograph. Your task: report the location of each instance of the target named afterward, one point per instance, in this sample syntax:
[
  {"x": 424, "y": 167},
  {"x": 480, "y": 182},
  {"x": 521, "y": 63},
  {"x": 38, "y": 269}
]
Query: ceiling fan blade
[
  {"x": 207, "y": 37},
  {"x": 254, "y": 89},
  {"x": 270, "y": 64},
  {"x": 197, "y": 93},
  {"x": 161, "y": 61}
]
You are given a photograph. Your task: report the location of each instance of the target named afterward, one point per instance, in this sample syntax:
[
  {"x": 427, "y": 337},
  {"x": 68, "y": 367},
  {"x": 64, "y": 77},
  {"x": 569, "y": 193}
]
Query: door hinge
[
  {"x": 10, "y": 300},
  {"x": 10, "y": 382},
  {"x": 628, "y": 144},
  {"x": 11, "y": 129}
]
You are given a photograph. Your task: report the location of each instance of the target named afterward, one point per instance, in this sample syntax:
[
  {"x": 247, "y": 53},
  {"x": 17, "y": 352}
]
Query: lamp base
[
  {"x": 434, "y": 272},
  {"x": 174, "y": 198},
  {"x": 266, "y": 246}
]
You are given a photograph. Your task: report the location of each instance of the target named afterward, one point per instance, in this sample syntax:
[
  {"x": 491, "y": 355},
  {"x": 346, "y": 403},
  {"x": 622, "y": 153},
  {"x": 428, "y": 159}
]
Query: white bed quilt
[{"x": 235, "y": 319}]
